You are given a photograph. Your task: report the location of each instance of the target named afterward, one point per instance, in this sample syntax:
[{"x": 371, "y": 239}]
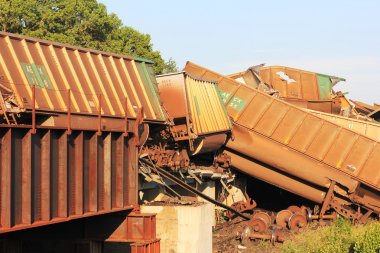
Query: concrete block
[{"x": 184, "y": 228}]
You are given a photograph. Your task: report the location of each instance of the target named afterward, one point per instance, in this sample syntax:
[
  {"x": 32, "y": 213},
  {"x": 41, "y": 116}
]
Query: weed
[{"x": 340, "y": 237}]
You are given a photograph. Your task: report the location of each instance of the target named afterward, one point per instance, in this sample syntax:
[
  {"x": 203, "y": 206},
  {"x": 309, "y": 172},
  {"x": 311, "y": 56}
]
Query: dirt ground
[{"x": 227, "y": 238}]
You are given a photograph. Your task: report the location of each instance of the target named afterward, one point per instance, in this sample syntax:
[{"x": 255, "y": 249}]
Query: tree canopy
[{"x": 83, "y": 23}]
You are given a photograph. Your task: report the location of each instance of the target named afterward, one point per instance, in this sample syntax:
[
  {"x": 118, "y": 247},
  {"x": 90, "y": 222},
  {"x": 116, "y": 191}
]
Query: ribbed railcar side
[
  {"x": 197, "y": 109},
  {"x": 370, "y": 129},
  {"x": 78, "y": 157},
  {"x": 93, "y": 78},
  {"x": 295, "y": 141}
]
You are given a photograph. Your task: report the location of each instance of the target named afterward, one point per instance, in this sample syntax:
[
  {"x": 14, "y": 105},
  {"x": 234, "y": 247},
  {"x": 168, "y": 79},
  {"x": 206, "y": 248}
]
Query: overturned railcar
[
  {"x": 302, "y": 88},
  {"x": 197, "y": 110},
  {"x": 299, "y": 151}
]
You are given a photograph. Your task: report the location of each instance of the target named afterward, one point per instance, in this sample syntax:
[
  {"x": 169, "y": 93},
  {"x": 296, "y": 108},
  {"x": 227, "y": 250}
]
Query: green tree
[
  {"x": 83, "y": 23},
  {"x": 170, "y": 67}
]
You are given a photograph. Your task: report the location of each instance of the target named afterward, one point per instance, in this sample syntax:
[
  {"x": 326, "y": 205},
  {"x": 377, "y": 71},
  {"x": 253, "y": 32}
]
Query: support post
[
  {"x": 364, "y": 217},
  {"x": 99, "y": 133},
  {"x": 33, "y": 109},
  {"x": 68, "y": 112},
  {"x": 328, "y": 198},
  {"x": 126, "y": 118}
]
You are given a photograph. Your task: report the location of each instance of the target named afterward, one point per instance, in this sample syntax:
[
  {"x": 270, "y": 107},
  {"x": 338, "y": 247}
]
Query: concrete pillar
[
  {"x": 208, "y": 188},
  {"x": 183, "y": 228}
]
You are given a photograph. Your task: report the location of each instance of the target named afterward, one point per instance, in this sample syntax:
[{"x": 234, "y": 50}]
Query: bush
[
  {"x": 340, "y": 237},
  {"x": 370, "y": 240}
]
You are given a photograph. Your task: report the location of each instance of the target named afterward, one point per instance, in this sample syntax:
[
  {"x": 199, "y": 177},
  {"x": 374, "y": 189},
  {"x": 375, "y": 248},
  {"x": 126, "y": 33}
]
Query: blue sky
[{"x": 339, "y": 37}]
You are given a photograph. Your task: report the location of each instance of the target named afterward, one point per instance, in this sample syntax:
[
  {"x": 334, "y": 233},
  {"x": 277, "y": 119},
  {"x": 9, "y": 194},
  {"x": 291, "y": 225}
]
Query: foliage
[
  {"x": 339, "y": 237},
  {"x": 369, "y": 241},
  {"x": 170, "y": 67},
  {"x": 83, "y": 23}
]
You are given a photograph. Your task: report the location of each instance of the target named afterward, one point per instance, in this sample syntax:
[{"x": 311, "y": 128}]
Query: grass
[{"x": 340, "y": 237}]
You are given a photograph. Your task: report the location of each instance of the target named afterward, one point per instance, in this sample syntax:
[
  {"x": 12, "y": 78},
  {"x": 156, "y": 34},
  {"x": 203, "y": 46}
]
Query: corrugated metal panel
[
  {"x": 292, "y": 88},
  {"x": 51, "y": 177},
  {"x": 198, "y": 100},
  {"x": 294, "y": 140},
  {"x": 90, "y": 75},
  {"x": 368, "y": 129},
  {"x": 291, "y": 82},
  {"x": 296, "y": 83}
]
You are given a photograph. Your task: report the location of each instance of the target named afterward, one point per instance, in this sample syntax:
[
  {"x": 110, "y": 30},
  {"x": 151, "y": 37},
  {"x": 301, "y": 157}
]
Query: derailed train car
[
  {"x": 75, "y": 123},
  {"x": 298, "y": 151},
  {"x": 302, "y": 88},
  {"x": 72, "y": 120},
  {"x": 197, "y": 111}
]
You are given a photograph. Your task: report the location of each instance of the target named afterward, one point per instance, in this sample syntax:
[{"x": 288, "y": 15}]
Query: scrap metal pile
[{"x": 61, "y": 106}]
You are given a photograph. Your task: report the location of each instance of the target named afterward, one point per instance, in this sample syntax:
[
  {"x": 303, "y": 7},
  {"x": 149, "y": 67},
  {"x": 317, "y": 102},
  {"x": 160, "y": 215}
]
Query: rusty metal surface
[
  {"x": 197, "y": 110},
  {"x": 275, "y": 177},
  {"x": 298, "y": 87},
  {"x": 146, "y": 247},
  {"x": 372, "y": 130},
  {"x": 296, "y": 83},
  {"x": 332, "y": 106},
  {"x": 242, "y": 206},
  {"x": 370, "y": 111},
  {"x": 173, "y": 159},
  {"x": 189, "y": 188},
  {"x": 304, "y": 86},
  {"x": 283, "y": 217},
  {"x": 136, "y": 227},
  {"x": 274, "y": 236},
  {"x": 209, "y": 143},
  {"x": 120, "y": 84},
  {"x": 364, "y": 108},
  {"x": 298, "y": 142},
  {"x": 195, "y": 100},
  {"x": 50, "y": 177},
  {"x": 297, "y": 221}
]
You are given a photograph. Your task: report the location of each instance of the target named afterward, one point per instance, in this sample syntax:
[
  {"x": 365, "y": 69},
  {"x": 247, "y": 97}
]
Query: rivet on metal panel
[
  {"x": 100, "y": 116},
  {"x": 34, "y": 109},
  {"x": 68, "y": 112}
]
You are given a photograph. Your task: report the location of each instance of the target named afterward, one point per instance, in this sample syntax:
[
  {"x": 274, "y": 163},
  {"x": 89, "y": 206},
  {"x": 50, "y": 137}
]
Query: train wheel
[
  {"x": 294, "y": 209},
  {"x": 297, "y": 221},
  {"x": 264, "y": 216},
  {"x": 258, "y": 225},
  {"x": 282, "y": 218}
]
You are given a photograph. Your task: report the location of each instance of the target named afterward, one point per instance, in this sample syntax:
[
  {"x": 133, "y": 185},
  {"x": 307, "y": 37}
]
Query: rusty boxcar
[
  {"x": 63, "y": 80},
  {"x": 302, "y": 88},
  {"x": 294, "y": 145},
  {"x": 71, "y": 121},
  {"x": 366, "y": 128},
  {"x": 300, "y": 84},
  {"x": 198, "y": 112}
]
